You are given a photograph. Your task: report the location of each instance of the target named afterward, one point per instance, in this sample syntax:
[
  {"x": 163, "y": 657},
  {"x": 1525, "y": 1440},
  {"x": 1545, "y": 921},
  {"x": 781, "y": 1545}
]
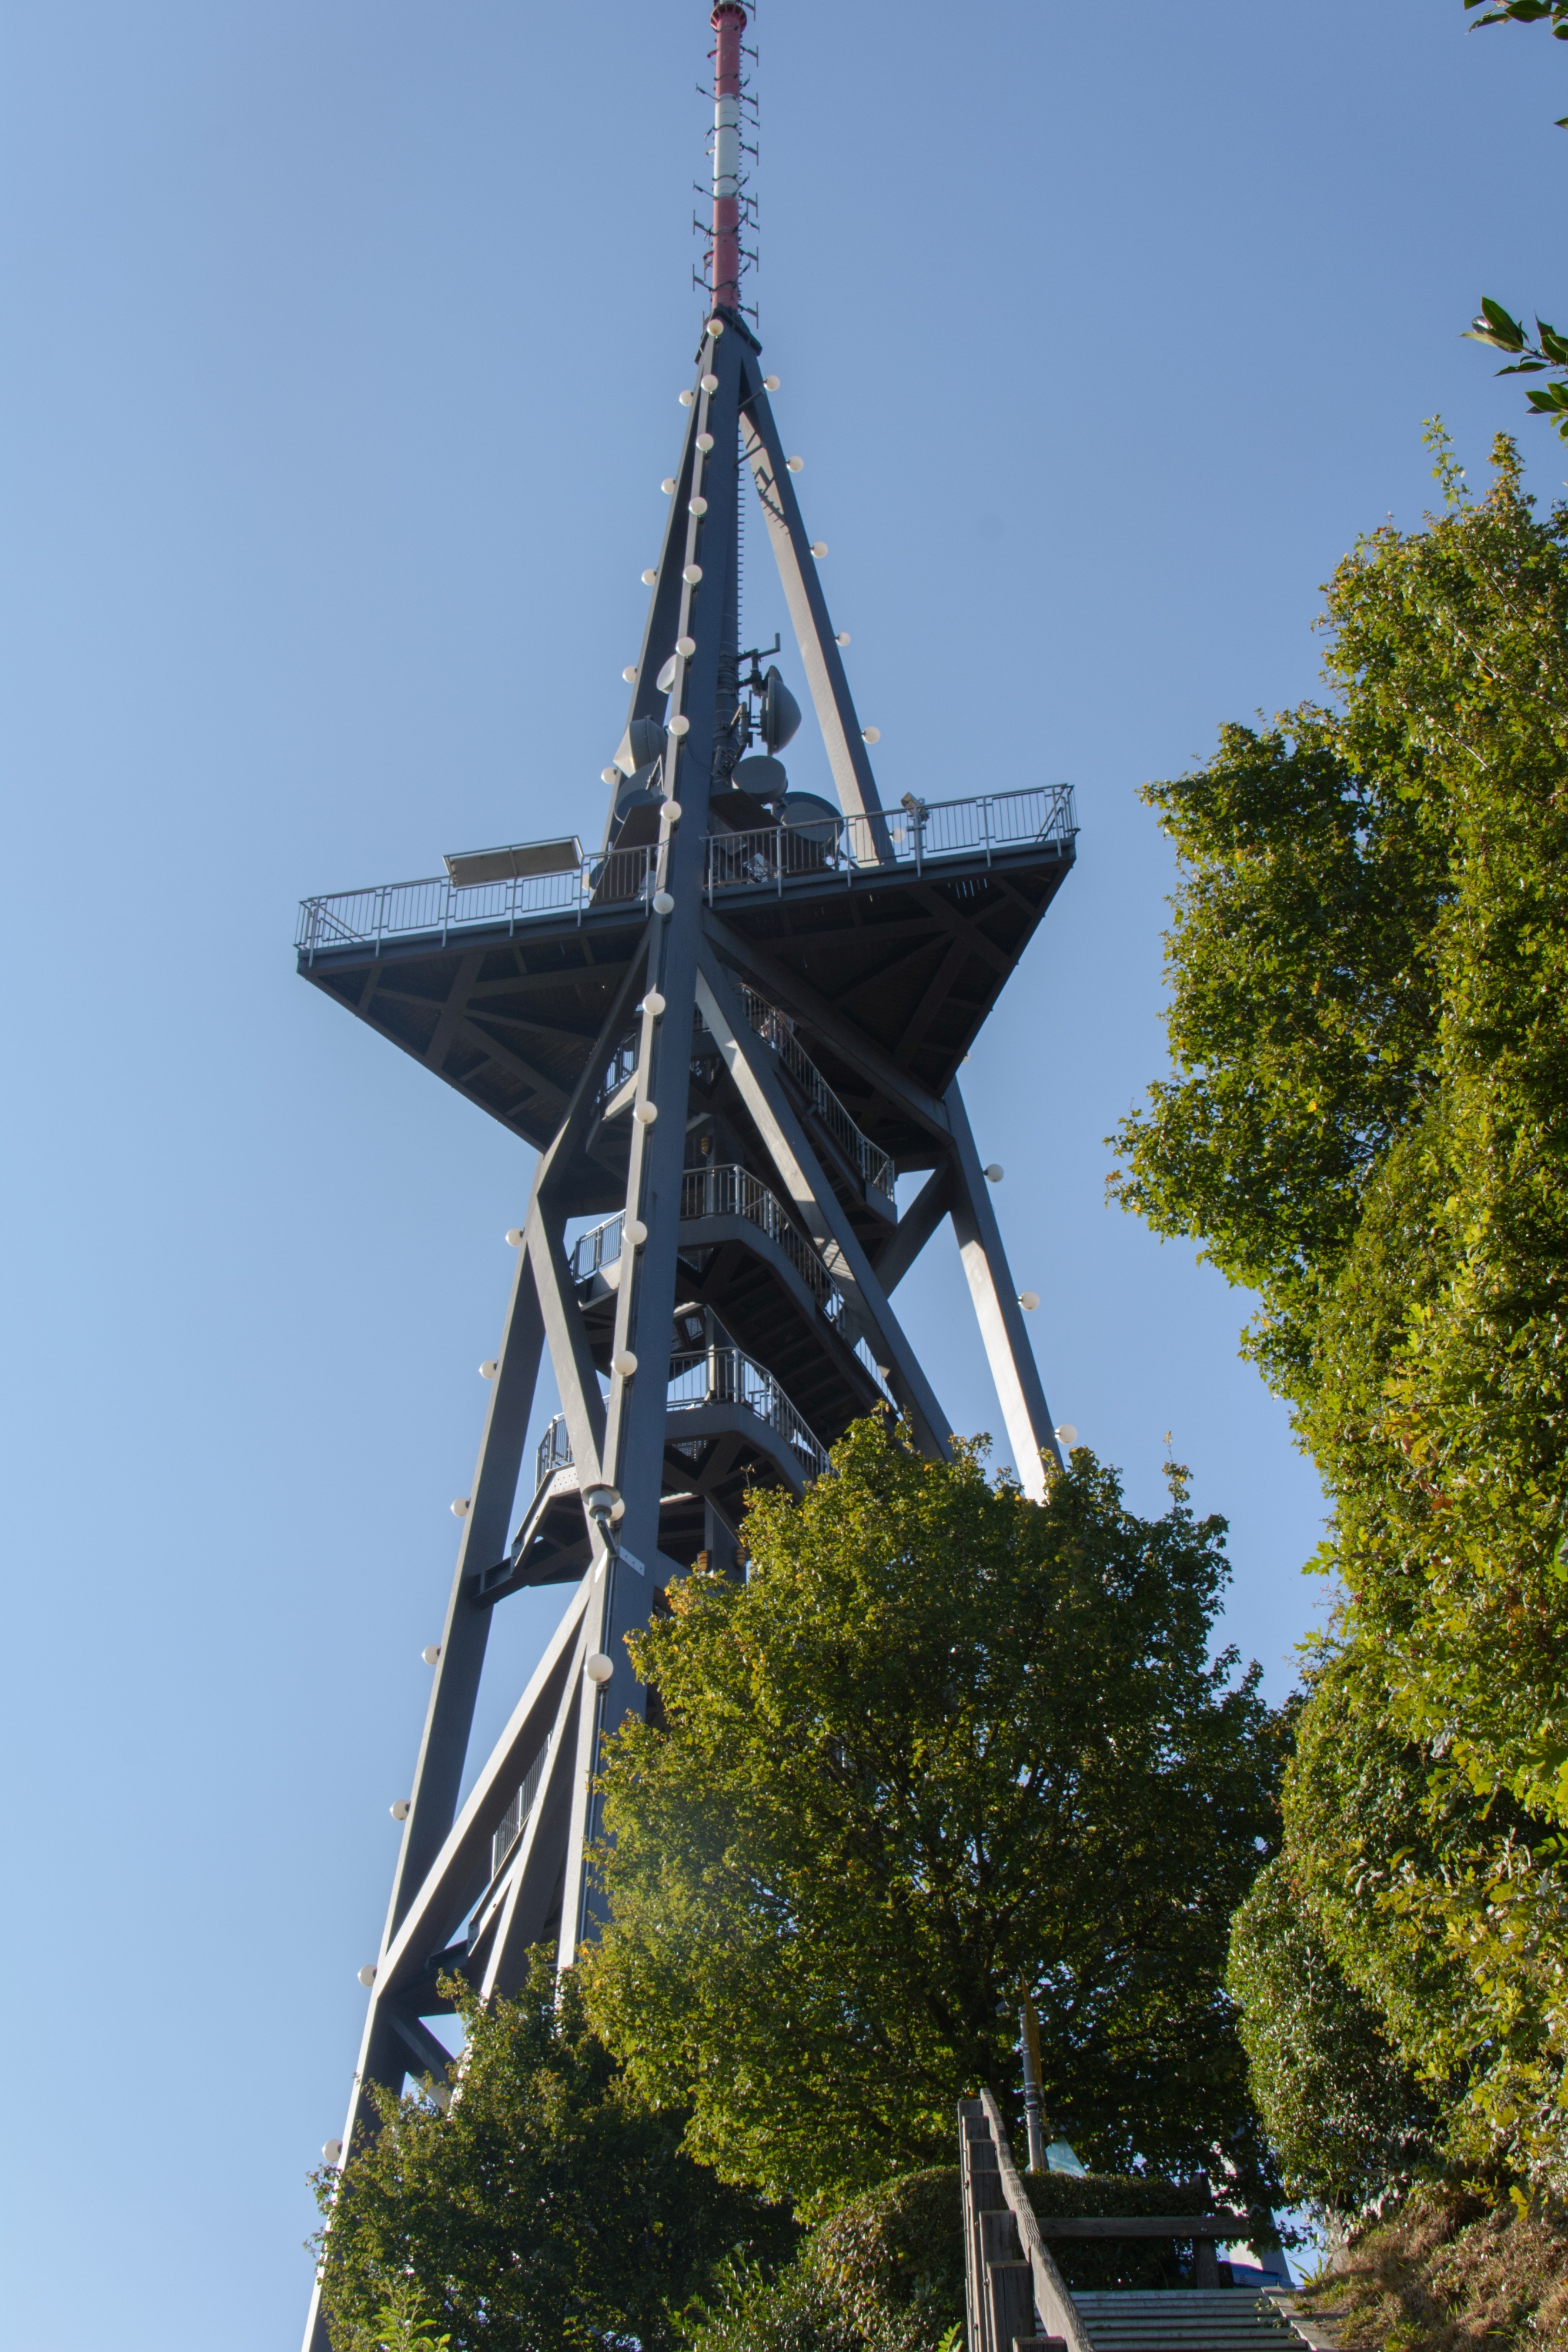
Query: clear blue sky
[{"x": 341, "y": 352}]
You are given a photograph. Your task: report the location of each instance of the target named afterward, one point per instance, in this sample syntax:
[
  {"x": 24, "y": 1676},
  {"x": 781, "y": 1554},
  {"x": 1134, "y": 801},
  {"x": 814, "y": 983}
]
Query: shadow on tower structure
[{"x": 725, "y": 1032}]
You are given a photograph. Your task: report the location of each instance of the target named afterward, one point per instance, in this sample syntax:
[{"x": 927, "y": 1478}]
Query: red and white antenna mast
[{"x": 723, "y": 285}]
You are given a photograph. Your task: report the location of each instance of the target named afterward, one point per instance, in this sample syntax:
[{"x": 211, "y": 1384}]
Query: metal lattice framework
[{"x": 724, "y": 1034}]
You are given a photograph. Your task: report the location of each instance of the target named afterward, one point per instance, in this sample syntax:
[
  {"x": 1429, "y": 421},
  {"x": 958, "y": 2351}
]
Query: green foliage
[
  {"x": 1368, "y": 1121},
  {"x": 549, "y": 2209},
  {"x": 1525, "y": 11},
  {"x": 898, "y": 2250},
  {"x": 1346, "y": 2115},
  {"x": 1494, "y": 325},
  {"x": 751, "y": 2309},
  {"x": 885, "y": 2273},
  {"x": 1099, "y": 2265},
  {"x": 947, "y": 1746}
]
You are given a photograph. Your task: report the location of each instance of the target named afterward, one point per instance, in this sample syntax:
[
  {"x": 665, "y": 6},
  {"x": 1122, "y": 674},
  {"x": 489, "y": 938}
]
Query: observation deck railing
[
  {"x": 843, "y": 849},
  {"x": 875, "y": 1167},
  {"x": 917, "y": 833},
  {"x": 722, "y": 1374},
  {"x": 728, "y": 1190}
]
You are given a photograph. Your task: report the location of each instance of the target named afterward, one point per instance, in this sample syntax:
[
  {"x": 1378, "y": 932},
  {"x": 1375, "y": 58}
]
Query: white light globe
[{"x": 598, "y": 1668}]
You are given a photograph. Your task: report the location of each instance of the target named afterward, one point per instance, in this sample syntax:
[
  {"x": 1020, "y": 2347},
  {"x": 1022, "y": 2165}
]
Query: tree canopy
[
  {"x": 1367, "y": 1121},
  {"x": 550, "y": 2209},
  {"x": 945, "y": 1747}
]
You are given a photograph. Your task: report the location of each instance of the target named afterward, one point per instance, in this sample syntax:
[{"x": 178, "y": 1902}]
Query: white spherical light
[
  {"x": 331, "y": 2149},
  {"x": 635, "y": 1231},
  {"x": 705, "y": 442},
  {"x": 515, "y": 1233},
  {"x": 994, "y": 1172},
  {"x": 841, "y": 639},
  {"x": 670, "y": 812},
  {"x": 598, "y": 1668},
  {"x": 399, "y": 1810},
  {"x": 680, "y": 724},
  {"x": 1029, "y": 1299},
  {"x": 649, "y": 577},
  {"x": 630, "y": 675},
  {"x": 609, "y": 775},
  {"x": 818, "y": 548},
  {"x": 1067, "y": 1433},
  {"x": 697, "y": 506},
  {"x": 652, "y": 1004},
  {"x": 646, "y": 1113},
  {"x": 770, "y": 384},
  {"x": 367, "y": 1974},
  {"x": 871, "y": 734},
  {"x": 692, "y": 575},
  {"x": 460, "y": 1507},
  {"x": 662, "y": 903},
  {"x": 796, "y": 465},
  {"x": 487, "y": 1369},
  {"x": 431, "y": 1654},
  {"x": 668, "y": 486},
  {"x": 710, "y": 383},
  {"x": 624, "y": 1363},
  {"x": 685, "y": 398},
  {"x": 685, "y": 647}
]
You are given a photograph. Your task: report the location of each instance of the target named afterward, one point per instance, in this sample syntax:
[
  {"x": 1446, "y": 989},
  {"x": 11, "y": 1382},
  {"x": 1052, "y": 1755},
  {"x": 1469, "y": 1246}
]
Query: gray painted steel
[{"x": 874, "y": 982}]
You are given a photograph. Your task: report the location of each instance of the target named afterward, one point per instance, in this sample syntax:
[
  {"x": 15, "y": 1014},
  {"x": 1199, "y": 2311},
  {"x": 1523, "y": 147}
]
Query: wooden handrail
[{"x": 1058, "y": 2312}]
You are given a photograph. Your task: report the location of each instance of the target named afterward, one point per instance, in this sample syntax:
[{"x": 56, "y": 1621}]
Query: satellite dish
[
  {"x": 642, "y": 743},
  {"x": 639, "y": 791},
  {"x": 765, "y": 779},
  {"x": 812, "y": 818},
  {"x": 780, "y": 712}
]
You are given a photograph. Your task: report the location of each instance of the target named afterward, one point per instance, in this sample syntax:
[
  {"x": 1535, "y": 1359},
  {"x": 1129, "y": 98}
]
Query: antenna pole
[{"x": 728, "y": 24}]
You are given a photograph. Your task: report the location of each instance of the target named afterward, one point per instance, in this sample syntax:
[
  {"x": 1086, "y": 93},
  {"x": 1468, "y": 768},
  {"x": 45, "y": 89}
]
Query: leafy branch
[{"x": 1495, "y": 327}]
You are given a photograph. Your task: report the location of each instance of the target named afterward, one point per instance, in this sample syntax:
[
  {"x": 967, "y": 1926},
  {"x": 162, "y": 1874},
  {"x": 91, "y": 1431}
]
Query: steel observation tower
[{"x": 725, "y": 1031}]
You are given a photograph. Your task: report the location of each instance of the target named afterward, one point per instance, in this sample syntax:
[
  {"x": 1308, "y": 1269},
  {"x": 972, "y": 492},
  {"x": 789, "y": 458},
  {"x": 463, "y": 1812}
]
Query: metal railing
[
  {"x": 509, "y": 1828},
  {"x": 726, "y": 1189},
  {"x": 875, "y": 1167},
  {"x": 621, "y": 877},
  {"x": 721, "y": 1374},
  {"x": 554, "y": 1451},
  {"x": 915, "y": 835}
]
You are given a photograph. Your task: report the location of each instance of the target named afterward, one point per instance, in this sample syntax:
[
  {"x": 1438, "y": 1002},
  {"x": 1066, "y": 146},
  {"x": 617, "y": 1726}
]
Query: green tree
[
  {"x": 945, "y": 1746},
  {"x": 1347, "y": 2115},
  {"x": 549, "y": 2209},
  {"x": 1548, "y": 354},
  {"x": 1368, "y": 1123}
]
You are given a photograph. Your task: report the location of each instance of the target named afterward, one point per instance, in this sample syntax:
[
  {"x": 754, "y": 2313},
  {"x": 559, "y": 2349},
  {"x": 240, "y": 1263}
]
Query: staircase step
[{"x": 1185, "y": 2320}]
